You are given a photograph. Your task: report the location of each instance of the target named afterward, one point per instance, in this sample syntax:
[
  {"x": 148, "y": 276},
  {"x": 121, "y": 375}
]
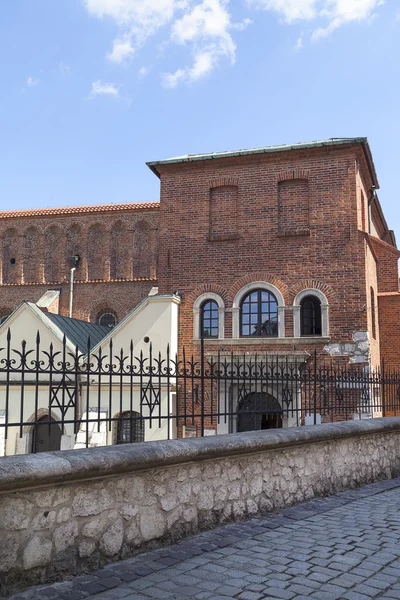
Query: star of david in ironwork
[
  {"x": 150, "y": 396},
  {"x": 287, "y": 394},
  {"x": 68, "y": 397}
]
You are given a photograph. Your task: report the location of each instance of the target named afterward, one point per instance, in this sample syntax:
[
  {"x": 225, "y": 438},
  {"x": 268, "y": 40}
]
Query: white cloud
[
  {"x": 32, "y": 82},
  {"x": 100, "y": 88},
  {"x": 340, "y": 12},
  {"x": 144, "y": 71},
  {"x": 201, "y": 25},
  {"x": 243, "y": 25},
  {"x": 65, "y": 70},
  {"x": 299, "y": 43},
  {"x": 331, "y": 13},
  {"x": 122, "y": 50},
  {"x": 398, "y": 15},
  {"x": 290, "y": 10},
  {"x": 171, "y": 80},
  {"x": 137, "y": 20},
  {"x": 206, "y": 27}
]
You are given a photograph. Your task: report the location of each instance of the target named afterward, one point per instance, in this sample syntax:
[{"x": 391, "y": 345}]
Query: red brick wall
[
  {"x": 330, "y": 254},
  {"x": 389, "y": 324},
  {"x": 388, "y": 260},
  {"x": 118, "y": 257}
]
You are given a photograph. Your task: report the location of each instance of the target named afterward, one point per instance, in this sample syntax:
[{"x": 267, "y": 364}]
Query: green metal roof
[
  {"x": 79, "y": 332},
  {"x": 270, "y": 149}
]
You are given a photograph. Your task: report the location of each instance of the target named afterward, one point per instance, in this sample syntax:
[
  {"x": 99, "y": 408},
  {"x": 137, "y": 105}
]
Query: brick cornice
[{"x": 380, "y": 244}]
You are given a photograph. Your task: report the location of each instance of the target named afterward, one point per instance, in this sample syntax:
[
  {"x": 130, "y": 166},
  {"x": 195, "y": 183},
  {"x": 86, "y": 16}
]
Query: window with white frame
[
  {"x": 311, "y": 316},
  {"x": 258, "y": 311},
  {"x": 208, "y": 313}
]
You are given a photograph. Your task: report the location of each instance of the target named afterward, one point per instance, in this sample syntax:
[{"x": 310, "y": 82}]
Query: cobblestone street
[{"x": 346, "y": 546}]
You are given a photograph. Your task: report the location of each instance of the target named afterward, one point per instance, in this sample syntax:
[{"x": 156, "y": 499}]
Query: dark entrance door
[
  {"x": 259, "y": 411},
  {"x": 46, "y": 436}
]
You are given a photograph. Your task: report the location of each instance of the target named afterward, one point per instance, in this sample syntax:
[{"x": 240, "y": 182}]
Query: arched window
[
  {"x": 32, "y": 256},
  {"x": 107, "y": 318},
  {"x": 259, "y": 314},
  {"x": 311, "y": 313},
  {"x": 130, "y": 428},
  {"x": 310, "y": 316},
  {"x": 209, "y": 319}
]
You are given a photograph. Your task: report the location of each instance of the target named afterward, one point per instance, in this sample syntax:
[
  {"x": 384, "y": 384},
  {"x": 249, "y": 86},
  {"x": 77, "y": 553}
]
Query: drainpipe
[
  {"x": 71, "y": 291},
  {"x": 75, "y": 261}
]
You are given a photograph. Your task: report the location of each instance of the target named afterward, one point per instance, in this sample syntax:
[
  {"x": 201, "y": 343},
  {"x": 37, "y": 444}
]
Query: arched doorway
[
  {"x": 259, "y": 411},
  {"x": 46, "y": 436}
]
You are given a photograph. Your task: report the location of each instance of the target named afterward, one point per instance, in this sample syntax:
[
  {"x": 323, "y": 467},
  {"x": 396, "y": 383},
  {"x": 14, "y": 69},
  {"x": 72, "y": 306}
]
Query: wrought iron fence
[{"x": 57, "y": 398}]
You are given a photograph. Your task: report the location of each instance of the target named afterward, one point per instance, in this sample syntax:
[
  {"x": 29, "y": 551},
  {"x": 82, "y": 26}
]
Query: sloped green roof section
[
  {"x": 79, "y": 332},
  {"x": 266, "y": 150}
]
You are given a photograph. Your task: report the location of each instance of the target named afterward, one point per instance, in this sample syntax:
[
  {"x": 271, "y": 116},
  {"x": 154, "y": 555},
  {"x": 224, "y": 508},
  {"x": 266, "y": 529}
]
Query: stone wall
[{"x": 68, "y": 512}]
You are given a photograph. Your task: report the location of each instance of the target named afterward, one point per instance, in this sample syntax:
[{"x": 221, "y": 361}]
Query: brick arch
[
  {"x": 32, "y": 255},
  {"x": 144, "y": 249},
  {"x": 53, "y": 253},
  {"x": 305, "y": 284},
  {"x": 104, "y": 304},
  {"x": 96, "y": 251},
  {"x": 9, "y": 252},
  {"x": 253, "y": 278},
  {"x": 118, "y": 250},
  {"x": 223, "y": 181},
  {"x": 74, "y": 245},
  {"x": 293, "y": 174},
  {"x": 204, "y": 289}
]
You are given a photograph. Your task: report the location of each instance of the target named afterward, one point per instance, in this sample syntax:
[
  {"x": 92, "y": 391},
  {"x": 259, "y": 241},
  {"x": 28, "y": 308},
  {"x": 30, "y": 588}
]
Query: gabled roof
[
  {"x": 270, "y": 149},
  {"x": 142, "y": 304},
  {"x": 79, "y": 332},
  {"x": 76, "y": 332}
]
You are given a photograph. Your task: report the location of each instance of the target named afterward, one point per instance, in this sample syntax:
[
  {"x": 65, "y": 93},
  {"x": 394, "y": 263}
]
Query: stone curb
[{"x": 35, "y": 470}]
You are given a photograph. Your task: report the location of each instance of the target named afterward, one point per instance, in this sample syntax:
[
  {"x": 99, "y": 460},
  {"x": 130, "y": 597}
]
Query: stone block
[
  {"x": 91, "y": 501},
  {"x": 37, "y": 553},
  {"x": 9, "y": 547},
  {"x": 111, "y": 542},
  {"x": 64, "y": 536},
  {"x": 152, "y": 524}
]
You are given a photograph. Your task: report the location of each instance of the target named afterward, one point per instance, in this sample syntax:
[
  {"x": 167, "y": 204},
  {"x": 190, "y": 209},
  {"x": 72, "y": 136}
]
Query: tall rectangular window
[
  {"x": 294, "y": 205},
  {"x": 223, "y": 211}
]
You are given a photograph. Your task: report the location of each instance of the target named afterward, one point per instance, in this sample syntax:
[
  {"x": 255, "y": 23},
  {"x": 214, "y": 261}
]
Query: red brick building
[
  {"x": 281, "y": 249},
  {"x": 117, "y": 249}
]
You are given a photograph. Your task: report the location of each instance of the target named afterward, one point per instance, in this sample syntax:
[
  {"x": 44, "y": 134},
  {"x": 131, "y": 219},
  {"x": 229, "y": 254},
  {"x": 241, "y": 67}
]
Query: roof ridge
[{"x": 65, "y": 210}]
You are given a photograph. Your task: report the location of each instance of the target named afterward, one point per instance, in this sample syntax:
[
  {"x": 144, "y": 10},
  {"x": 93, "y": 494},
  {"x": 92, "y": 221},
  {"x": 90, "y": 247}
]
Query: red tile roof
[{"x": 71, "y": 210}]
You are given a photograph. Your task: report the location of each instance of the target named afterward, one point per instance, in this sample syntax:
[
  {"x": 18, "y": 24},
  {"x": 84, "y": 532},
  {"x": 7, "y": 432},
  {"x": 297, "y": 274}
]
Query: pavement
[{"x": 345, "y": 546}]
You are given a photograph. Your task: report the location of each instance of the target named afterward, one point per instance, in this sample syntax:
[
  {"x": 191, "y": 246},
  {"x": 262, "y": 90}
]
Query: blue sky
[{"x": 92, "y": 89}]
